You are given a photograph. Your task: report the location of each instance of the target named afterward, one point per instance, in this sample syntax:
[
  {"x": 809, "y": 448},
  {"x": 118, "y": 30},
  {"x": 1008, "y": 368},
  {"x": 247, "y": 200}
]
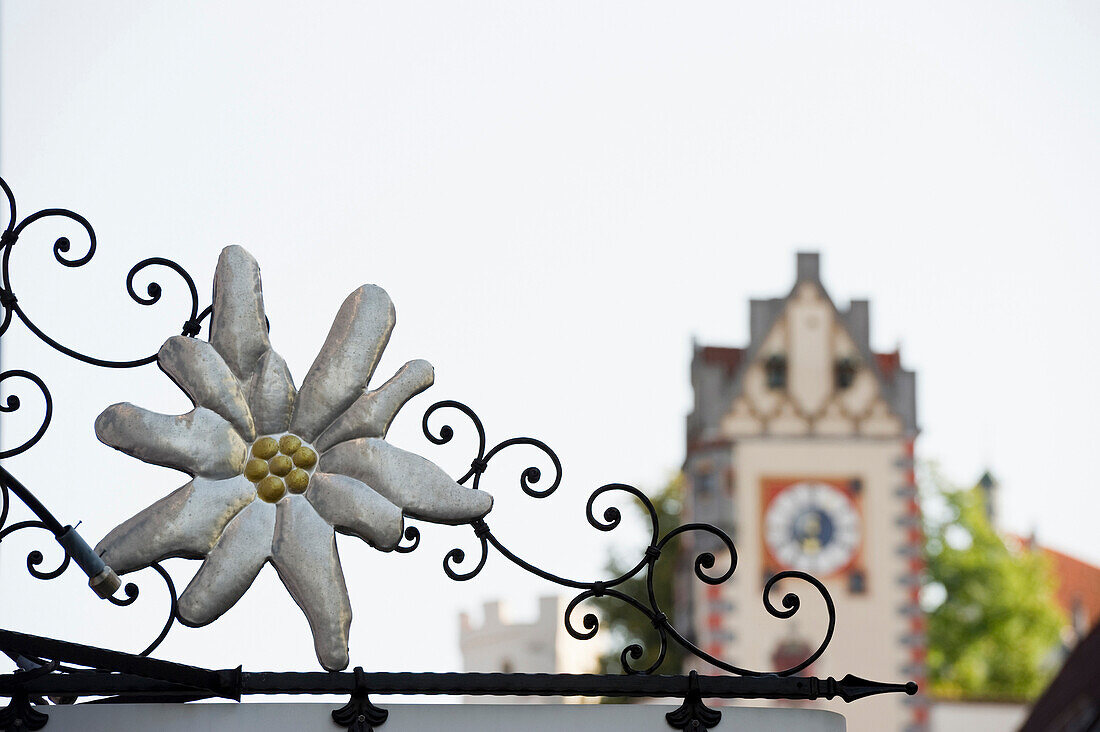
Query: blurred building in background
[
  {"x": 1072, "y": 701},
  {"x": 501, "y": 644},
  {"x": 800, "y": 446},
  {"x": 1078, "y": 591}
]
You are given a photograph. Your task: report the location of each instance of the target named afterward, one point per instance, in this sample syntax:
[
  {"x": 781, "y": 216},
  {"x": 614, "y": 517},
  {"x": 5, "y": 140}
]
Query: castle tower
[
  {"x": 800, "y": 445},
  {"x": 499, "y": 644}
]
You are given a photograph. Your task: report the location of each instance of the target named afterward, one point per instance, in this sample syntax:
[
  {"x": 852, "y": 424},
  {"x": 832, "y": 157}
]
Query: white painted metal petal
[
  {"x": 355, "y": 508},
  {"x": 304, "y": 554},
  {"x": 371, "y": 414},
  {"x": 238, "y": 327},
  {"x": 272, "y": 394},
  {"x": 185, "y": 523},
  {"x": 231, "y": 566},
  {"x": 198, "y": 443},
  {"x": 346, "y": 362},
  {"x": 415, "y": 484},
  {"x": 201, "y": 372}
]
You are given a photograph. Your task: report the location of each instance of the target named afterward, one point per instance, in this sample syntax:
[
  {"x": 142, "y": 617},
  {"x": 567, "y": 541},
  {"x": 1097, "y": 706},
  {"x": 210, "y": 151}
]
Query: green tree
[
  {"x": 624, "y": 624},
  {"x": 993, "y": 624}
]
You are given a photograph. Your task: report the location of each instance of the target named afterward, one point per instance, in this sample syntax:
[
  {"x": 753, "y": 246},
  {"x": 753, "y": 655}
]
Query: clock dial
[{"x": 812, "y": 526}]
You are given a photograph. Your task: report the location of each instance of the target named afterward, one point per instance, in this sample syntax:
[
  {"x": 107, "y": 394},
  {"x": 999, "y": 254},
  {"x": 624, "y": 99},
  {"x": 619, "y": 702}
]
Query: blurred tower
[
  {"x": 800, "y": 445},
  {"x": 501, "y": 645},
  {"x": 991, "y": 495}
]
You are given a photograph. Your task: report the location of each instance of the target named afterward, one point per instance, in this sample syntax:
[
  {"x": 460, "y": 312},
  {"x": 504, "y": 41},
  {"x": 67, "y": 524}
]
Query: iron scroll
[{"x": 57, "y": 668}]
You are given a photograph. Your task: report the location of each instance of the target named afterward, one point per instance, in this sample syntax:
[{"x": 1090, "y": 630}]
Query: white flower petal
[
  {"x": 346, "y": 362},
  {"x": 304, "y": 554},
  {"x": 231, "y": 566},
  {"x": 198, "y": 443},
  {"x": 353, "y": 507},
  {"x": 185, "y": 523},
  {"x": 198, "y": 369},
  {"x": 238, "y": 327},
  {"x": 415, "y": 484},
  {"x": 371, "y": 414},
  {"x": 272, "y": 394}
]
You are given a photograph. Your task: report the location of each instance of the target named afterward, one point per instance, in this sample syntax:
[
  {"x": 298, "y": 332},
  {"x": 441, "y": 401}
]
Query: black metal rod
[
  {"x": 128, "y": 676},
  {"x": 31, "y": 502},
  {"x": 220, "y": 683},
  {"x": 471, "y": 684}
]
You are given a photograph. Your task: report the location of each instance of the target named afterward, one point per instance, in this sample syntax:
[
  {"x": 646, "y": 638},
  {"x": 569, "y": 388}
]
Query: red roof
[
  {"x": 888, "y": 363},
  {"x": 1078, "y": 585},
  {"x": 728, "y": 357}
]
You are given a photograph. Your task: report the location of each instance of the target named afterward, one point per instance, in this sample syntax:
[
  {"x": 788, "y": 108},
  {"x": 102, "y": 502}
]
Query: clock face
[{"x": 812, "y": 526}]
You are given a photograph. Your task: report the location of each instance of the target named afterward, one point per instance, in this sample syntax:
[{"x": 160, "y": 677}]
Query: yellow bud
[
  {"x": 265, "y": 448},
  {"x": 288, "y": 444},
  {"x": 270, "y": 489},
  {"x": 255, "y": 469},
  {"x": 304, "y": 457},
  {"x": 297, "y": 481},
  {"x": 280, "y": 465}
]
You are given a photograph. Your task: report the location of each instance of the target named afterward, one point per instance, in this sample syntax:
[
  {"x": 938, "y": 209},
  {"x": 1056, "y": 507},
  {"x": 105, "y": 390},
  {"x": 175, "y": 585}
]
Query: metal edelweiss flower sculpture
[{"x": 277, "y": 470}]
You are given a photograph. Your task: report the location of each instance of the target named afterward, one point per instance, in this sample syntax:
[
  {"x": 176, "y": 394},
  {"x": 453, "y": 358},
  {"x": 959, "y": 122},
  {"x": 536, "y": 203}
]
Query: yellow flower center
[{"x": 280, "y": 465}]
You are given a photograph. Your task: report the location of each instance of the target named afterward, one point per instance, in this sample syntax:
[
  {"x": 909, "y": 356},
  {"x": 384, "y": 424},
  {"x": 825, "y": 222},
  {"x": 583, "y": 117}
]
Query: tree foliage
[{"x": 993, "y": 623}]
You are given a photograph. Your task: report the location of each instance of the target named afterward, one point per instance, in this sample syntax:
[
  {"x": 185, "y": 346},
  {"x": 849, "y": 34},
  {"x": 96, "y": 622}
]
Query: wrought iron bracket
[
  {"x": 124, "y": 677},
  {"x": 693, "y": 715},
  {"x": 20, "y": 714},
  {"x": 359, "y": 715}
]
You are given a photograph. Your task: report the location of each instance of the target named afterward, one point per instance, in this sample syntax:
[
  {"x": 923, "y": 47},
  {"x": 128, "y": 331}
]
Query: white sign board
[{"x": 314, "y": 717}]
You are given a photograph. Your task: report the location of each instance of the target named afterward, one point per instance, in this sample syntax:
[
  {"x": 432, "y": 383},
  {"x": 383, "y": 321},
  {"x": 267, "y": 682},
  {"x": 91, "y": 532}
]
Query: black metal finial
[
  {"x": 693, "y": 715},
  {"x": 359, "y": 715}
]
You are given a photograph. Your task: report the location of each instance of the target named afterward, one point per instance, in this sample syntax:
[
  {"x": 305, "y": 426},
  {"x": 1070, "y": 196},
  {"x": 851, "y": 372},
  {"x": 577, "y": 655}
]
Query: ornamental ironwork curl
[
  {"x": 610, "y": 520},
  {"x": 62, "y": 245},
  {"x": 12, "y": 310},
  {"x": 13, "y": 403},
  {"x": 35, "y": 558},
  {"x": 531, "y": 482},
  {"x": 101, "y": 675}
]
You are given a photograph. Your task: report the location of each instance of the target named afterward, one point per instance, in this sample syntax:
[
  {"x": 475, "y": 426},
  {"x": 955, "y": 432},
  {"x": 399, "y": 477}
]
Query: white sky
[{"x": 556, "y": 196}]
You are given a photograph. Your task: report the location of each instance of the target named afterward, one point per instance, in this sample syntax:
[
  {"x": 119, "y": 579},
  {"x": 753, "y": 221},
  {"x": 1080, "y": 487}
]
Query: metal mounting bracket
[{"x": 359, "y": 715}]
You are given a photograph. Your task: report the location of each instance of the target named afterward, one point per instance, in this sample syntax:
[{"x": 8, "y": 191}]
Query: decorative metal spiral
[
  {"x": 456, "y": 563},
  {"x": 12, "y": 403},
  {"x": 12, "y": 309},
  {"x": 61, "y": 247},
  {"x": 35, "y": 558},
  {"x": 609, "y": 520}
]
